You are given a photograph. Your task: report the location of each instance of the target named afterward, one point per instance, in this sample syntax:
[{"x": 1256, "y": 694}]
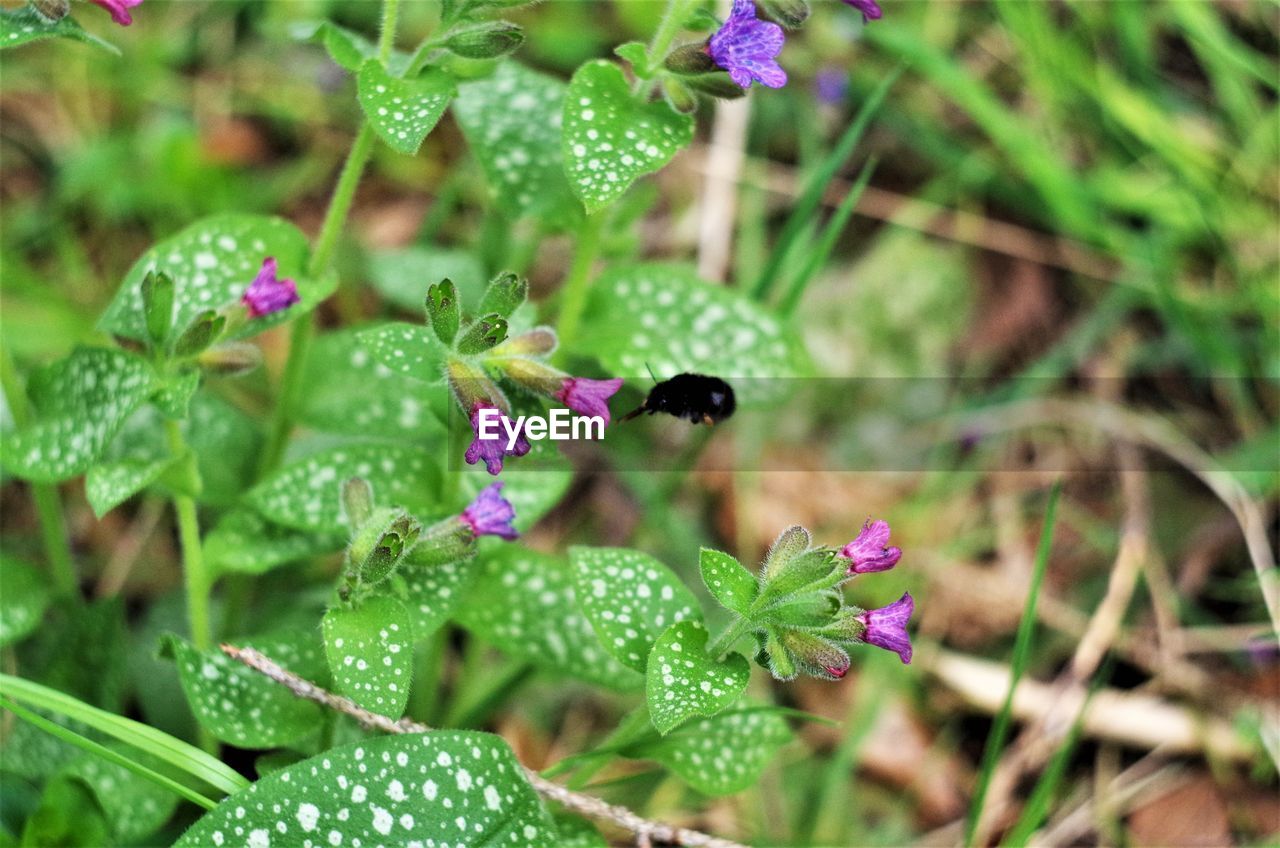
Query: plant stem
[
  {"x": 194, "y": 573},
  {"x": 53, "y": 527},
  {"x": 673, "y": 18},
  {"x": 573, "y": 296},
  {"x": 726, "y": 640}
]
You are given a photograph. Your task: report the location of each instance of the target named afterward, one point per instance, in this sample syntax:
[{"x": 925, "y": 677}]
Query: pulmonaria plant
[
  {"x": 747, "y": 47},
  {"x": 119, "y": 9},
  {"x": 268, "y": 294}
]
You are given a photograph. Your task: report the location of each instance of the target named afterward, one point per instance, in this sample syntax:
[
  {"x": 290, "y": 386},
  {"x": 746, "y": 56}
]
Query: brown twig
[{"x": 646, "y": 832}]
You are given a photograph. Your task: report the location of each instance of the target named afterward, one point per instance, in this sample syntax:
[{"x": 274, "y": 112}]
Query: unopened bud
[
  {"x": 157, "y": 305},
  {"x": 690, "y": 59},
  {"x": 789, "y": 13},
  {"x": 814, "y": 655},
  {"x": 447, "y": 541},
  {"x": 485, "y": 41},
  {"x": 718, "y": 85},
  {"x": 540, "y": 341},
  {"x": 443, "y": 312},
  {"x": 52, "y": 10},
  {"x": 679, "y": 96},
  {"x": 380, "y": 545},
  {"x": 505, "y": 295},
  {"x": 231, "y": 359},
  {"x": 203, "y": 331},
  {"x": 357, "y": 502},
  {"x": 483, "y": 334}
]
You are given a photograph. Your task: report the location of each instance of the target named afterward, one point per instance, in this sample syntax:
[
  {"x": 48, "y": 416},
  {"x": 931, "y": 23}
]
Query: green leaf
[
  {"x": 511, "y": 121},
  {"x": 306, "y": 494},
  {"x": 516, "y": 596},
  {"x": 157, "y": 306},
  {"x": 727, "y": 581},
  {"x": 720, "y": 755},
  {"x": 663, "y": 317},
  {"x": 401, "y": 275},
  {"x": 246, "y": 543},
  {"x": 402, "y": 111},
  {"x": 682, "y": 681},
  {"x": 347, "y": 48},
  {"x": 630, "y": 599},
  {"x": 24, "y": 25},
  {"x": 82, "y": 402},
  {"x": 241, "y": 706},
  {"x": 173, "y": 398},
  {"x": 506, "y": 293},
  {"x": 532, "y": 493},
  {"x": 611, "y": 138},
  {"x": 24, "y": 596},
  {"x": 212, "y": 262},
  {"x": 370, "y": 651},
  {"x": 439, "y": 788},
  {"x": 409, "y": 349},
  {"x": 134, "y": 807},
  {"x": 68, "y": 815},
  {"x": 110, "y": 484},
  {"x": 433, "y": 592},
  {"x": 443, "y": 311}
]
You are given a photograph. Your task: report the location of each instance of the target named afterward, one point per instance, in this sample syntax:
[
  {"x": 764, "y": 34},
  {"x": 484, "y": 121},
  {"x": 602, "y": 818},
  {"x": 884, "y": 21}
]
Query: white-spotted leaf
[
  {"x": 524, "y": 604},
  {"x": 244, "y": 542},
  {"x": 720, "y": 755},
  {"x": 630, "y": 599},
  {"x": 409, "y": 349},
  {"x": 433, "y": 592},
  {"x": 24, "y": 25},
  {"x": 173, "y": 396},
  {"x": 109, "y": 484},
  {"x": 402, "y": 111},
  {"x": 727, "y": 581},
  {"x": 440, "y": 788},
  {"x": 370, "y": 651},
  {"x": 402, "y": 275},
  {"x": 682, "y": 681},
  {"x": 134, "y": 806},
  {"x": 611, "y": 137},
  {"x": 24, "y": 596}
]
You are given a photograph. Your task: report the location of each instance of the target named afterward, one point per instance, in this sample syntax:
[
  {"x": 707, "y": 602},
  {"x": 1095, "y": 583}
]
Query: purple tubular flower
[
  {"x": 588, "y": 397},
  {"x": 119, "y": 9},
  {"x": 869, "y": 552},
  {"x": 492, "y": 451},
  {"x": 266, "y": 294},
  {"x": 869, "y": 8},
  {"x": 887, "y": 627},
  {"x": 746, "y": 47},
  {"x": 490, "y": 514}
]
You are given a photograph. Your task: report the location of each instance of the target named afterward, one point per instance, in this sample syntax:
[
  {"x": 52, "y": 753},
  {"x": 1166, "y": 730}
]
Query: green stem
[
  {"x": 387, "y": 37},
  {"x": 53, "y": 526},
  {"x": 573, "y": 296},
  {"x": 196, "y": 577},
  {"x": 671, "y": 25},
  {"x": 726, "y": 640}
]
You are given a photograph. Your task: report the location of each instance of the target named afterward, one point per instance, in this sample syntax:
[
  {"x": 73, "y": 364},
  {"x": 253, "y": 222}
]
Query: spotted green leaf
[
  {"x": 630, "y": 599},
  {"x": 245, "y": 542},
  {"x": 611, "y": 137},
  {"x": 517, "y": 593},
  {"x": 727, "y": 581},
  {"x": 24, "y": 25},
  {"x": 512, "y": 122},
  {"x": 409, "y": 349},
  {"x": 682, "y": 681},
  {"x": 663, "y": 317},
  {"x": 82, "y": 401},
  {"x": 306, "y": 494},
  {"x": 173, "y": 397},
  {"x": 110, "y": 484},
  {"x": 402, "y": 275},
  {"x": 134, "y": 806},
  {"x": 719, "y": 755},
  {"x": 402, "y": 111},
  {"x": 433, "y": 592},
  {"x": 370, "y": 651},
  {"x": 241, "y": 706},
  {"x": 24, "y": 596},
  {"x": 212, "y": 262},
  {"x": 440, "y": 788}
]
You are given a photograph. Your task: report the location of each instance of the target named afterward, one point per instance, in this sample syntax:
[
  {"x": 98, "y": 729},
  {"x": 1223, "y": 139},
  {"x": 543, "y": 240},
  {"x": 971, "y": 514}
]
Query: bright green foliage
[
  {"x": 727, "y": 581},
  {"x": 433, "y": 592},
  {"x": 173, "y": 397},
  {"x": 349, "y": 49},
  {"x": 401, "y": 275},
  {"x": 442, "y": 788},
  {"x": 245, "y": 542},
  {"x": 409, "y": 349},
  {"x": 611, "y": 138},
  {"x": 68, "y": 814},
  {"x": 23, "y": 25},
  {"x": 24, "y": 596},
  {"x": 370, "y": 651},
  {"x": 682, "y": 681},
  {"x": 517, "y": 596},
  {"x": 107, "y": 485},
  {"x": 403, "y": 111},
  {"x": 240, "y": 706},
  {"x": 134, "y": 807},
  {"x": 630, "y": 599},
  {"x": 720, "y": 755}
]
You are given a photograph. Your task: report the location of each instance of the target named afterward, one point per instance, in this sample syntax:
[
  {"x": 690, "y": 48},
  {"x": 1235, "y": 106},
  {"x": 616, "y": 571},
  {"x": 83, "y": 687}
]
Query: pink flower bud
[{"x": 266, "y": 294}]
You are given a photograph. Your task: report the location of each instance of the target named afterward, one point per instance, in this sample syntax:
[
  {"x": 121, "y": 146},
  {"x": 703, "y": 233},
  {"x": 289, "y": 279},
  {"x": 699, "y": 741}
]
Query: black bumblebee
[{"x": 697, "y": 397}]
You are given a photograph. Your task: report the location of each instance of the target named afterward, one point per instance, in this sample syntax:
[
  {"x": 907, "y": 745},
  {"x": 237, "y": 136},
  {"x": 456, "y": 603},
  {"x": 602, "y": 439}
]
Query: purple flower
[
  {"x": 746, "y": 46},
  {"x": 887, "y": 627},
  {"x": 831, "y": 85},
  {"x": 266, "y": 294},
  {"x": 588, "y": 397},
  {"x": 490, "y": 514},
  {"x": 119, "y": 9},
  {"x": 868, "y": 552},
  {"x": 492, "y": 450},
  {"x": 869, "y": 8}
]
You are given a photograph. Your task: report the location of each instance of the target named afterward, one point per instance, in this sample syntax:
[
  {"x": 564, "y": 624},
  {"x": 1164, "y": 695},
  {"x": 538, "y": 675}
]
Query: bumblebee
[{"x": 696, "y": 397}]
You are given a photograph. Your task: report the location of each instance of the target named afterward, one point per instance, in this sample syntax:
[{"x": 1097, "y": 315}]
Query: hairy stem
[
  {"x": 726, "y": 640},
  {"x": 573, "y": 296},
  {"x": 194, "y": 573}
]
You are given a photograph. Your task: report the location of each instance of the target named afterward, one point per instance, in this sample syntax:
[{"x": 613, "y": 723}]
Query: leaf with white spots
[
  {"x": 409, "y": 349},
  {"x": 512, "y": 123},
  {"x": 683, "y": 682},
  {"x": 173, "y": 397},
  {"x": 727, "y": 581},
  {"x": 24, "y": 25},
  {"x": 611, "y": 137},
  {"x": 212, "y": 262},
  {"x": 719, "y": 755},
  {"x": 402, "y": 275},
  {"x": 24, "y": 597},
  {"x": 110, "y": 484},
  {"x": 524, "y": 603},
  {"x": 134, "y": 806},
  {"x": 240, "y": 706},
  {"x": 246, "y": 543},
  {"x": 630, "y": 599},
  {"x": 370, "y": 651},
  {"x": 433, "y": 592},
  {"x": 403, "y": 111},
  {"x": 663, "y": 317},
  {"x": 443, "y": 788},
  {"x": 306, "y": 494},
  {"x": 82, "y": 401}
]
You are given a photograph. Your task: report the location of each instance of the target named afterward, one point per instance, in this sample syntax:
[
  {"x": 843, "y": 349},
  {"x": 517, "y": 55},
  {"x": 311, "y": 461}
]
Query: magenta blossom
[
  {"x": 887, "y": 627},
  {"x": 492, "y": 450},
  {"x": 588, "y": 397},
  {"x": 266, "y": 294},
  {"x": 869, "y": 8},
  {"x": 119, "y": 9},
  {"x": 869, "y": 552},
  {"x": 747, "y": 47},
  {"x": 490, "y": 514}
]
